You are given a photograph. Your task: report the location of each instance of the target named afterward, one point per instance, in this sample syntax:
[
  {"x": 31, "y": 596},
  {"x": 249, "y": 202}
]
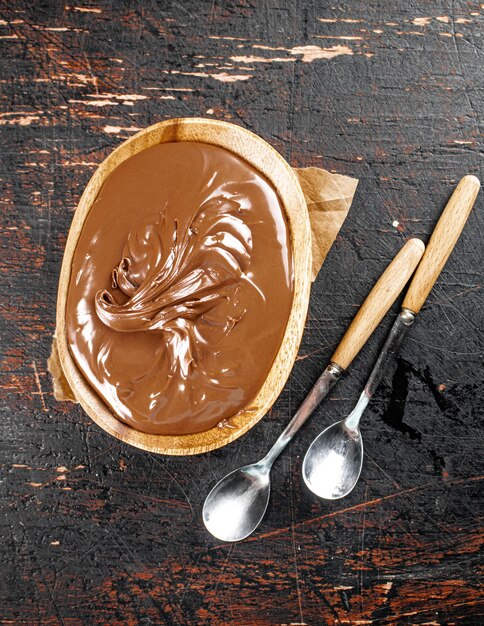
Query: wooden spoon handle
[
  {"x": 380, "y": 299},
  {"x": 442, "y": 242}
]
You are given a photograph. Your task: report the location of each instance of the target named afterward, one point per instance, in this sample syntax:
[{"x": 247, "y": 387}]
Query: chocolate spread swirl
[{"x": 181, "y": 288}]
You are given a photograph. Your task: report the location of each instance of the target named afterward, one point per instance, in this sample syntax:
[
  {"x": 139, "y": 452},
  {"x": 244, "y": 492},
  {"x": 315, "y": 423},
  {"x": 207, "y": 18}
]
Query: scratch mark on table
[{"x": 39, "y": 387}]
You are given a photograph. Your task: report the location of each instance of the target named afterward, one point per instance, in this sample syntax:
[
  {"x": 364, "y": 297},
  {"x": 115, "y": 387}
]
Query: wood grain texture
[
  {"x": 444, "y": 237},
  {"x": 96, "y": 532},
  {"x": 272, "y": 166},
  {"x": 377, "y": 303}
]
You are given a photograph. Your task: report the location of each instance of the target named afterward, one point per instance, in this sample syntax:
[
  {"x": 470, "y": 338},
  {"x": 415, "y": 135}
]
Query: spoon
[
  {"x": 236, "y": 505},
  {"x": 333, "y": 462}
]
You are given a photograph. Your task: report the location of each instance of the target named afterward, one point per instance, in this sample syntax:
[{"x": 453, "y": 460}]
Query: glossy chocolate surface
[{"x": 181, "y": 288}]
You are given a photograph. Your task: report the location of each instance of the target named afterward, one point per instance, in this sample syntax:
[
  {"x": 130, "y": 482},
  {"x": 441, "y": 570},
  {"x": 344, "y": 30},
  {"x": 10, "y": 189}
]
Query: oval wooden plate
[{"x": 270, "y": 163}]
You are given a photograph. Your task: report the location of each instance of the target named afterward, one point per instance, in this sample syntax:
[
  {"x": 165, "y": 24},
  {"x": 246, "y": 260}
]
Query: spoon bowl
[
  {"x": 333, "y": 462},
  {"x": 236, "y": 505}
]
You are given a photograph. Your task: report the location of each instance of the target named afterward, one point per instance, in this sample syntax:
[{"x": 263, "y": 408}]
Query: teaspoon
[
  {"x": 236, "y": 505},
  {"x": 333, "y": 462}
]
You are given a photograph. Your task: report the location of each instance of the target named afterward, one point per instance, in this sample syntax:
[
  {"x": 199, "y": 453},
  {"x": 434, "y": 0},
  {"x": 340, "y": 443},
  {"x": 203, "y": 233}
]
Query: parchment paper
[{"x": 328, "y": 196}]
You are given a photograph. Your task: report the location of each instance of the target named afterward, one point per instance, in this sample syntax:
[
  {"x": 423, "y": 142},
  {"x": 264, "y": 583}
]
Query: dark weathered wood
[{"x": 95, "y": 532}]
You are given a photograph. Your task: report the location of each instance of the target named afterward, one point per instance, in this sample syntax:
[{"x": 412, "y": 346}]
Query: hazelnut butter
[{"x": 181, "y": 288}]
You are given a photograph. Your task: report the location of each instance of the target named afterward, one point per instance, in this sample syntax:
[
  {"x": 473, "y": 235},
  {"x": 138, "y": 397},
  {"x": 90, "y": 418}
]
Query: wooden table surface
[{"x": 96, "y": 532}]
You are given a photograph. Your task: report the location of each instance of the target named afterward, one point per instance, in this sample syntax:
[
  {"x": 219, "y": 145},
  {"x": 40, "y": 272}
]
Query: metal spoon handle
[
  {"x": 395, "y": 337},
  {"x": 323, "y": 385}
]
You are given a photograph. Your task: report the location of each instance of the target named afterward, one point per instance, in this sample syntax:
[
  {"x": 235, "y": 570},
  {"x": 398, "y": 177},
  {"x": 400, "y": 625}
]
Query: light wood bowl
[{"x": 270, "y": 163}]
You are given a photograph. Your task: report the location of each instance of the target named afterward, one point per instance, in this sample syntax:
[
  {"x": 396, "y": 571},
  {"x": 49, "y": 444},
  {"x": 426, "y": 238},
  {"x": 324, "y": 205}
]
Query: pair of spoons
[{"x": 332, "y": 465}]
